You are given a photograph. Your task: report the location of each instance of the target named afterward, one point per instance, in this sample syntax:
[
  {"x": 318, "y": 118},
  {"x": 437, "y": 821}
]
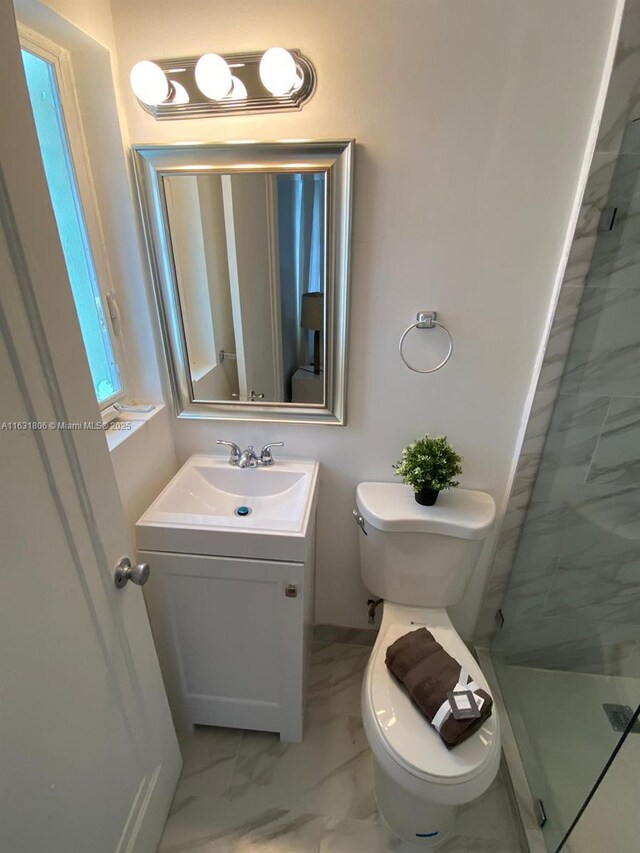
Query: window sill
[{"x": 119, "y": 432}]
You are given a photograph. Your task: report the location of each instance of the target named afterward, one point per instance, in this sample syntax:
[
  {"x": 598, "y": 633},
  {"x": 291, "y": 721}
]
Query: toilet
[{"x": 420, "y": 560}]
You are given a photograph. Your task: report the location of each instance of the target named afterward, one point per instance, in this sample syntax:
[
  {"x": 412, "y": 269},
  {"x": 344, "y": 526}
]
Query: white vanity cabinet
[
  {"x": 233, "y": 636},
  {"x": 231, "y": 591}
]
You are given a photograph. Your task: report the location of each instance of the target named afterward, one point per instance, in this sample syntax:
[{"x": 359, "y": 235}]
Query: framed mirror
[{"x": 248, "y": 245}]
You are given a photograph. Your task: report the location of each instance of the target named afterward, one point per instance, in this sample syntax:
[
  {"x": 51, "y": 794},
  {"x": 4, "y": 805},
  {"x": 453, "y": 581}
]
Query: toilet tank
[{"x": 420, "y": 555}]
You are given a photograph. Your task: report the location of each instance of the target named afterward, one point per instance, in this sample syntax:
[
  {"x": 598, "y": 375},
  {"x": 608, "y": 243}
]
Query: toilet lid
[
  {"x": 408, "y": 735},
  {"x": 392, "y": 507}
]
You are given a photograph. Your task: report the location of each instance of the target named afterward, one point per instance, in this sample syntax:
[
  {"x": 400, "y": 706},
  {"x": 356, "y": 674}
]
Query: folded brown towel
[{"x": 429, "y": 673}]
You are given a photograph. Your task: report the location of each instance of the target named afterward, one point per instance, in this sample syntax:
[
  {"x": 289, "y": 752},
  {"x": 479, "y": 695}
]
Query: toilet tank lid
[{"x": 458, "y": 512}]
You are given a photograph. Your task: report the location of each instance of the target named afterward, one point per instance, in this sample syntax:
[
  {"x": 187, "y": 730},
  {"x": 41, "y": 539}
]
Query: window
[{"x": 53, "y": 126}]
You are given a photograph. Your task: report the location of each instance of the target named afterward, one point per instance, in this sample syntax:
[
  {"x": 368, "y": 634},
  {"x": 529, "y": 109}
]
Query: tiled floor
[{"x": 245, "y": 792}]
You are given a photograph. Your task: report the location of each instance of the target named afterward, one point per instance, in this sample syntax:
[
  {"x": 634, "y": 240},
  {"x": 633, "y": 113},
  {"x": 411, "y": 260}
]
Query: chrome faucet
[
  {"x": 248, "y": 458},
  {"x": 235, "y": 454},
  {"x": 266, "y": 456}
]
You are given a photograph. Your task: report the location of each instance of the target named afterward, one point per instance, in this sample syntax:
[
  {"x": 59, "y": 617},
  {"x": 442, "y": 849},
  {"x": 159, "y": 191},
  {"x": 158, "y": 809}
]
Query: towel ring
[{"x": 426, "y": 320}]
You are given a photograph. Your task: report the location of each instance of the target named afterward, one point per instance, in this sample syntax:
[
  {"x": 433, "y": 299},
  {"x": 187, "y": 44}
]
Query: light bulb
[
  {"x": 149, "y": 83},
  {"x": 213, "y": 76},
  {"x": 238, "y": 90},
  {"x": 180, "y": 94},
  {"x": 278, "y": 72}
]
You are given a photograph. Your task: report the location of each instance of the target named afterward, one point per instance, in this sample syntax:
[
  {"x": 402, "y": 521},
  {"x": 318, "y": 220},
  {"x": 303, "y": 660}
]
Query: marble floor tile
[
  {"x": 573, "y": 435},
  {"x": 337, "y": 653},
  {"x": 602, "y": 590},
  {"x": 528, "y": 586},
  {"x": 356, "y": 836},
  {"x": 490, "y": 816},
  {"x": 290, "y": 834},
  {"x": 214, "y": 825},
  {"x": 575, "y": 645},
  {"x": 209, "y": 756},
  {"x": 346, "y": 684},
  {"x": 587, "y": 521},
  {"x": 605, "y": 346},
  {"x": 351, "y": 636},
  {"x": 616, "y": 460},
  {"x": 246, "y": 792},
  {"x": 329, "y": 771},
  {"x": 319, "y": 679},
  {"x": 352, "y": 836}
]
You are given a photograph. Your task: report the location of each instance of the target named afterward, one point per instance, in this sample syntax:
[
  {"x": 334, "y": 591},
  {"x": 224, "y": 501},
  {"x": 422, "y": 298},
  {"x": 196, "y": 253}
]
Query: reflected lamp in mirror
[
  {"x": 249, "y": 251},
  {"x": 312, "y": 319}
]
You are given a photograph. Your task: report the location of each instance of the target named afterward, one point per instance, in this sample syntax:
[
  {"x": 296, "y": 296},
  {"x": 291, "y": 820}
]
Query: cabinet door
[{"x": 230, "y": 640}]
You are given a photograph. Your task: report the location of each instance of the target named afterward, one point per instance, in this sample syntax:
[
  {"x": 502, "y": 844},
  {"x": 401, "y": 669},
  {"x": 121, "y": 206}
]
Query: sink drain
[{"x": 242, "y": 511}]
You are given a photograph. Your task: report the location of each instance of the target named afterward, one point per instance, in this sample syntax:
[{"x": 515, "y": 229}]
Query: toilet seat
[{"x": 402, "y": 737}]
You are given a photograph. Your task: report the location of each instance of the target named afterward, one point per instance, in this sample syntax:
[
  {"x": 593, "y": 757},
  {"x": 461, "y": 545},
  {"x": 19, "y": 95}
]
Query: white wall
[
  {"x": 471, "y": 119},
  {"x": 92, "y": 17},
  {"x": 144, "y": 463}
]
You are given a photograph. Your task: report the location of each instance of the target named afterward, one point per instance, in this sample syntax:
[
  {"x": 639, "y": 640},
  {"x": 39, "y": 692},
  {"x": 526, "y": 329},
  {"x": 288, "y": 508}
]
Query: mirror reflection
[{"x": 249, "y": 255}]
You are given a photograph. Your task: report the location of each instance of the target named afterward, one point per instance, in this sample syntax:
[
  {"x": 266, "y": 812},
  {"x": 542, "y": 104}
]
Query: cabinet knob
[{"x": 291, "y": 590}]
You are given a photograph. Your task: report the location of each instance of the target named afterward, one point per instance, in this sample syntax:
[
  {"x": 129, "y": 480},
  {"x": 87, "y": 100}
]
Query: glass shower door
[
  {"x": 568, "y": 656},
  {"x": 610, "y": 819}
]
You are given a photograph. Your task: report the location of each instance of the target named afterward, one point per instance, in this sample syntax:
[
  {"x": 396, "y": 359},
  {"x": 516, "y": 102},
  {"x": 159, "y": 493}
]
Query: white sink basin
[{"x": 203, "y": 510}]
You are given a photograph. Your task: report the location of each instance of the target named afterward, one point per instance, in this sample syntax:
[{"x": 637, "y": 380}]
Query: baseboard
[{"x": 344, "y": 635}]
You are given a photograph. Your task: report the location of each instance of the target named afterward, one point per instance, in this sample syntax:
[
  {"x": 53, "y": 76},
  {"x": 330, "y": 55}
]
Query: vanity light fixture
[
  {"x": 279, "y": 72},
  {"x": 149, "y": 83},
  {"x": 224, "y": 84},
  {"x": 180, "y": 94},
  {"x": 152, "y": 86},
  {"x": 213, "y": 76},
  {"x": 238, "y": 90}
]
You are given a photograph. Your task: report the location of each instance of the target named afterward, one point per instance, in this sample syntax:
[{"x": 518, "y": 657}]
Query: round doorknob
[{"x": 125, "y": 571}]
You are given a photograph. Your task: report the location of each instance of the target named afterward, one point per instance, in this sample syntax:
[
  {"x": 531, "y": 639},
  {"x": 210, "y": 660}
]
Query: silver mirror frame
[{"x": 335, "y": 159}]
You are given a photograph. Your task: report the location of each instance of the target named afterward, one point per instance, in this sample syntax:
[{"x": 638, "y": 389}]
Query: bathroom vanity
[{"x": 231, "y": 593}]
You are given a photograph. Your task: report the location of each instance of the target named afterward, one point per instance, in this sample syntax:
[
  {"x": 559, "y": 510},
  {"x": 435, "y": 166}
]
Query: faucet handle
[
  {"x": 236, "y": 453},
  {"x": 266, "y": 456}
]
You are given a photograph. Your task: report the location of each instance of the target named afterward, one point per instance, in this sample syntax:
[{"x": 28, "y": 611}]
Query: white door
[
  {"x": 88, "y": 756},
  {"x": 253, "y": 279}
]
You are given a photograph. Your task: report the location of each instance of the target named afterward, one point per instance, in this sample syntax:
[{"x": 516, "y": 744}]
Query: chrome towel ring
[{"x": 426, "y": 320}]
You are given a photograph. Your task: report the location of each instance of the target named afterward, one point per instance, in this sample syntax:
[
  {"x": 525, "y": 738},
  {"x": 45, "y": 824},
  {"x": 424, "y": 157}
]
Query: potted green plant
[{"x": 429, "y": 465}]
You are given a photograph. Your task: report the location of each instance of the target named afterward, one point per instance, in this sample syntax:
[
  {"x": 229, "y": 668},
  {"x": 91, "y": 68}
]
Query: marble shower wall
[{"x": 567, "y": 566}]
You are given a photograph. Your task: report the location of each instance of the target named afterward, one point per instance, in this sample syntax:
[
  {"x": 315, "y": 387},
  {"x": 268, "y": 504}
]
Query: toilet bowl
[{"x": 419, "y": 560}]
